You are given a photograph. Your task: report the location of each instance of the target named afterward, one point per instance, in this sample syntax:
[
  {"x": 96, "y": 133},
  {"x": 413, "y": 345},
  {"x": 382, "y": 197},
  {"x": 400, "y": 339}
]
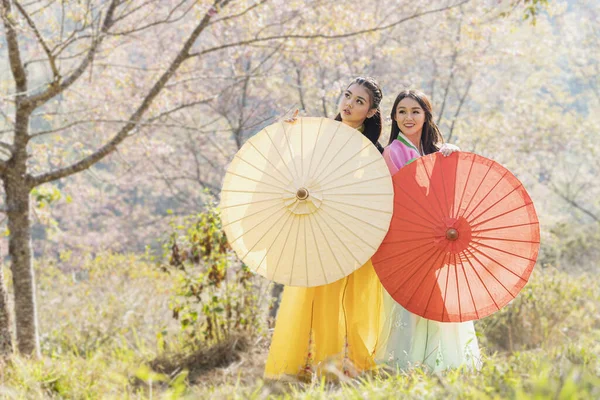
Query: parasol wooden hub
[
  {"x": 302, "y": 194},
  {"x": 452, "y": 234}
]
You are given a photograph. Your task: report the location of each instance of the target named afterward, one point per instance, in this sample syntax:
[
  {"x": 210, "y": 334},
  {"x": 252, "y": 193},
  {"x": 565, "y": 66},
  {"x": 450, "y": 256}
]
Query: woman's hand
[
  {"x": 448, "y": 149},
  {"x": 293, "y": 118}
]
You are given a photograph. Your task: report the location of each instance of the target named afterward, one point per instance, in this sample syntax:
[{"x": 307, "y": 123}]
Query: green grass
[{"x": 100, "y": 320}]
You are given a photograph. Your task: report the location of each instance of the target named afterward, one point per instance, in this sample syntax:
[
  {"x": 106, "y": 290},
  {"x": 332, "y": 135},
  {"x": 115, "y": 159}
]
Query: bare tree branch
[
  {"x": 135, "y": 118},
  {"x": 51, "y": 57},
  {"x": 14, "y": 53},
  {"x": 58, "y": 87},
  {"x": 326, "y": 37},
  {"x": 575, "y": 204},
  {"x": 452, "y": 72},
  {"x": 166, "y": 20},
  {"x": 459, "y": 107},
  {"x": 241, "y": 14}
]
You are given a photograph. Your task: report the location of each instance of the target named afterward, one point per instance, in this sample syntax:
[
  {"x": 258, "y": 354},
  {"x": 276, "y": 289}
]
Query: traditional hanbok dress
[
  {"x": 330, "y": 329},
  {"x": 411, "y": 340}
]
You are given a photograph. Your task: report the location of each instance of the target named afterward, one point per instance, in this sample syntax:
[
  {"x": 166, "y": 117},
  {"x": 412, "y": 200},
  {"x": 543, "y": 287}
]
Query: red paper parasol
[{"x": 463, "y": 240}]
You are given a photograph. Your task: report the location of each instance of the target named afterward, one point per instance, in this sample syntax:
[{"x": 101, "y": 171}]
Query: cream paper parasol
[{"x": 306, "y": 203}]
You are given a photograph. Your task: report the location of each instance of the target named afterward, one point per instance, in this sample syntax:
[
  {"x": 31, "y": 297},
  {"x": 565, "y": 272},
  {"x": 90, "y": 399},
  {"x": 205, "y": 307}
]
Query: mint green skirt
[{"x": 412, "y": 341}]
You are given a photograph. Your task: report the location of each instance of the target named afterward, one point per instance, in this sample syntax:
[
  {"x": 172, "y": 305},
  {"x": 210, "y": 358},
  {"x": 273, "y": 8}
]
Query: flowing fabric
[
  {"x": 409, "y": 340},
  {"x": 333, "y": 328}
]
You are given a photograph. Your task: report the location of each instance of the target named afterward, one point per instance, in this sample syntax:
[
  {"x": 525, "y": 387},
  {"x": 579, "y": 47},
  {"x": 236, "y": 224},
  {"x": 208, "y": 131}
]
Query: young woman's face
[
  {"x": 355, "y": 106},
  {"x": 410, "y": 117}
]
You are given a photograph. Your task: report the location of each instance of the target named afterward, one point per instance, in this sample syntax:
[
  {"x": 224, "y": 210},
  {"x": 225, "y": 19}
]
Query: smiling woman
[
  {"x": 413, "y": 121},
  {"x": 410, "y": 339}
]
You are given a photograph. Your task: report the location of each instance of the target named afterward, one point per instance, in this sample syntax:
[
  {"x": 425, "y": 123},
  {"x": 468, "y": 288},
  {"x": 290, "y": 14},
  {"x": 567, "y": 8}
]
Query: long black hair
[
  {"x": 431, "y": 137},
  {"x": 373, "y": 125}
]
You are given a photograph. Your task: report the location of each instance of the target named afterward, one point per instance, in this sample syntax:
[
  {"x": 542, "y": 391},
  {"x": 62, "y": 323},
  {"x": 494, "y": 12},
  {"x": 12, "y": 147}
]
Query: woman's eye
[
  {"x": 360, "y": 102},
  {"x": 401, "y": 112},
  {"x": 346, "y": 95},
  {"x": 417, "y": 112}
]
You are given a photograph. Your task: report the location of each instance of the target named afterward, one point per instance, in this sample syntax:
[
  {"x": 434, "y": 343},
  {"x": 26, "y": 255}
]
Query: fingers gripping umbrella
[
  {"x": 306, "y": 204},
  {"x": 463, "y": 239}
]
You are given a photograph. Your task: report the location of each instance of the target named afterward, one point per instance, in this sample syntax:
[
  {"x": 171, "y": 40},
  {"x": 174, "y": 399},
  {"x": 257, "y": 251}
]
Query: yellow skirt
[{"x": 330, "y": 328}]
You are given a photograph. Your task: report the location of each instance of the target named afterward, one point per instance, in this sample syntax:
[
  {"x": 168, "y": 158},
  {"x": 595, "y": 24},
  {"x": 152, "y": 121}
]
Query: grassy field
[{"x": 107, "y": 331}]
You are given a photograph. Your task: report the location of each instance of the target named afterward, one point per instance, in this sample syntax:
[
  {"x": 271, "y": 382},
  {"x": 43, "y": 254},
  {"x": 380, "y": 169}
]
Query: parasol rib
[
  {"x": 505, "y": 227},
  {"x": 437, "y": 277},
  {"x": 322, "y": 215},
  {"x": 489, "y": 272},
  {"x": 337, "y": 169},
  {"x": 462, "y": 196},
  {"x": 477, "y": 189},
  {"x": 305, "y": 250},
  {"x": 487, "y": 194},
  {"x": 497, "y": 202},
  {"x": 502, "y": 251},
  {"x": 249, "y": 191},
  {"x": 283, "y": 247},
  {"x": 289, "y": 146},
  {"x": 278, "y": 198},
  {"x": 348, "y": 229},
  {"x": 469, "y": 286},
  {"x": 261, "y": 171},
  {"x": 354, "y": 183},
  {"x": 327, "y": 147},
  {"x": 376, "y": 160},
  {"x": 446, "y": 290},
  {"x": 291, "y": 177},
  {"x": 481, "y": 280},
  {"x": 289, "y": 215},
  {"x": 329, "y": 245},
  {"x": 501, "y": 215},
  {"x": 279, "y": 154},
  {"x": 317, "y": 247},
  {"x": 261, "y": 182},
  {"x": 316, "y": 178},
  {"x": 433, "y": 219},
  {"x": 497, "y": 263},
  {"x": 406, "y": 252},
  {"x": 355, "y": 217},
  {"x": 329, "y": 200},
  {"x": 445, "y": 204},
  {"x": 506, "y": 240},
  {"x": 296, "y": 219},
  {"x": 261, "y": 222},
  {"x": 312, "y": 154},
  {"x": 431, "y": 254},
  {"x": 245, "y": 216},
  {"x": 433, "y": 264}
]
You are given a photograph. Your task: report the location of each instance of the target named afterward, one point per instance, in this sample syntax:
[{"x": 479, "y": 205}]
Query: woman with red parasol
[{"x": 410, "y": 339}]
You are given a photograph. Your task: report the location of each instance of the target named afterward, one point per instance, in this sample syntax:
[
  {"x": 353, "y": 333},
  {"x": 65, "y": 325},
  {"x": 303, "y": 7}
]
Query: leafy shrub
[
  {"x": 217, "y": 295},
  {"x": 553, "y": 308},
  {"x": 571, "y": 246}
]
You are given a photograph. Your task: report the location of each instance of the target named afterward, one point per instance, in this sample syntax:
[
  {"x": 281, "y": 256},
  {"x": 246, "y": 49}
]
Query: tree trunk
[
  {"x": 6, "y": 340},
  {"x": 19, "y": 248}
]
